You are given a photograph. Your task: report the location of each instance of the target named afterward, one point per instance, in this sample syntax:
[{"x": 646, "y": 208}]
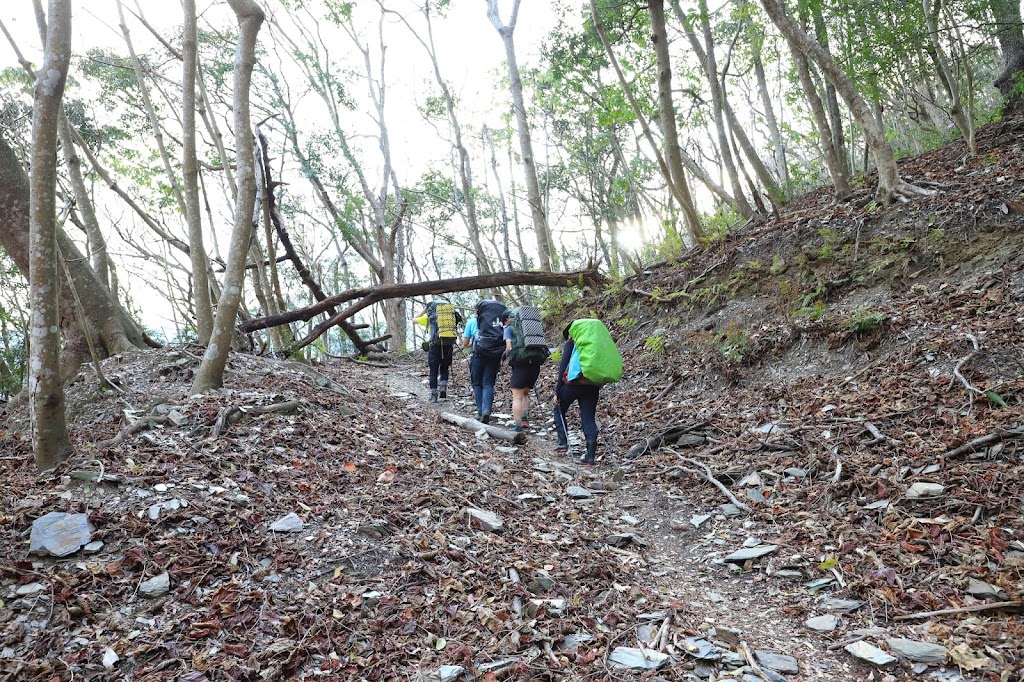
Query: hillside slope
[{"x": 820, "y": 367}]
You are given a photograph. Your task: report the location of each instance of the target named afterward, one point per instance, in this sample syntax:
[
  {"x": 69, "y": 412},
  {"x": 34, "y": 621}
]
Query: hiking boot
[
  {"x": 442, "y": 390},
  {"x": 524, "y": 424},
  {"x": 485, "y": 418},
  {"x": 561, "y": 449},
  {"x": 591, "y": 455},
  {"x": 433, "y": 395}
]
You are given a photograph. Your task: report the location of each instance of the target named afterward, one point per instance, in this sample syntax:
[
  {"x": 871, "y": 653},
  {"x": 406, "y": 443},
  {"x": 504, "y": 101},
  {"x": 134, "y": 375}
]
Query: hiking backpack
[
  {"x": 595, "y": 358},
  {"x": 442, "y": 321},
  {"x": 529, "y": 346},
  {"x": 490, "y": 335}
]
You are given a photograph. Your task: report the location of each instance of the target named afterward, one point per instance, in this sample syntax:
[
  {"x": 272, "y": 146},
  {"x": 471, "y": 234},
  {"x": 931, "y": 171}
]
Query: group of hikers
[{"x": 497, "y": 334}]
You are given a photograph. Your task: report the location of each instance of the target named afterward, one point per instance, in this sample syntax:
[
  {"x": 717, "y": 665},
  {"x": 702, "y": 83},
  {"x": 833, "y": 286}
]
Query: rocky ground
[{"x": 811, "y": 471}]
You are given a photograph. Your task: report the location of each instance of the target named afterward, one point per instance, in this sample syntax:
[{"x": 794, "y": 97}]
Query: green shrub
[
  {"x": 655, "y": 345},
  {"x": 862, "y": 321}
]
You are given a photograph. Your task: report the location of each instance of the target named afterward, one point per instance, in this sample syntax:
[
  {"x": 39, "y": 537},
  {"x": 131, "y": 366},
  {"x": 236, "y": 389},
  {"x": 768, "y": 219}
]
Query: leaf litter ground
[{"x": 822, "y": 366}]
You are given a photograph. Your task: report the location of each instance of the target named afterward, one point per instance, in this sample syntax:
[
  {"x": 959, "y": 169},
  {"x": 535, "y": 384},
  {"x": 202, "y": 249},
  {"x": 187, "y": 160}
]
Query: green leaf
[
  {"x": 440, "y": 643},
  {"x": 995, "y": 398},
  {"x": 825, "y": 565}
]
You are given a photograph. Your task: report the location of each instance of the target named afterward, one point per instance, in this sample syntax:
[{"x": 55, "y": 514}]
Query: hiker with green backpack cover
[
  {"x": 526, "y": 350},
  {"x": 589, "y": 360}
]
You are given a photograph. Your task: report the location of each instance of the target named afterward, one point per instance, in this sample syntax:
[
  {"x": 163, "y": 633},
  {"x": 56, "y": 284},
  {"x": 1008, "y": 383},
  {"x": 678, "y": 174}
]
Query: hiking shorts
[{"x": 524, "y": 376}]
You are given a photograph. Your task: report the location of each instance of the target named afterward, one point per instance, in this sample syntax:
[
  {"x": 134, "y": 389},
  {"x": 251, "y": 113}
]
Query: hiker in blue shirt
[{"x": 488, "y": 347}]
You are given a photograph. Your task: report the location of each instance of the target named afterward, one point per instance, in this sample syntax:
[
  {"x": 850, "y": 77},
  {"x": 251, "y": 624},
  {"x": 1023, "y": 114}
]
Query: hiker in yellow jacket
[{"x": 441, "y": 321}]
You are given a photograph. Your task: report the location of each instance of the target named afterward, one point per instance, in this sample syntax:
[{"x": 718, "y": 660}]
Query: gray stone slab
[
  {"x": 157, "y": 586},
  {"x": 780, "y": 663},
  {"x": 289, "y": 523},
  {"x": 59, "y": 534},
  {"x": 826, "y": 623},
  {"x": 742, "y": 555},
  {"x": 638, "y": 659},
  {"x": 870, "y": 654},
  {"x": 917, "y": 652}
]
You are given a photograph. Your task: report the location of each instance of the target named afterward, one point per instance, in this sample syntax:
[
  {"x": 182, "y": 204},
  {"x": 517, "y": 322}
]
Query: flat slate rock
[
  {"x": 778, "y": 662},
  {"x": 578, "y": 493},
  {"x": 917, "y": 652},
  {"x": 870, "y": 654},
  {"x": 59, "y": 534},
  {"x": 742, "y": 555},
  {"x": 984, "y": 590},
  {"x": 484, "y": 520},
  {"x": 920, "y": 489},
  {"x": 836, "y": 605},
  {"x": 289, "y": 523},
  {"x": 157, "y": 586},
  {"x": 638, "y": 659},
  {"x": 826, "y": 623},
  {"x": 701, "y": 649}
]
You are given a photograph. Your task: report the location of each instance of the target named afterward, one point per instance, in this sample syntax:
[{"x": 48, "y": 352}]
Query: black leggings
[
  {"x": 587, "y": 397},
  {"x": 439, "y": 360}
]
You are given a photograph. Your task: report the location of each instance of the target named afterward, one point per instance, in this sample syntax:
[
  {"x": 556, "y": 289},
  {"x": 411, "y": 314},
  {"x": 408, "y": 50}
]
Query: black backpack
[{"x": 490, "y": 335}]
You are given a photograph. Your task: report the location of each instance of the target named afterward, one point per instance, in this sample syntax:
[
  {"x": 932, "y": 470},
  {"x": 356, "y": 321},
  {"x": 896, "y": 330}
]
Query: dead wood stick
[
  {"x": 657, "y": 440},
  {"x": 286, "y": 406},
  {"x": 710, "y": 478},
  {"x": 132, "y": 429},
  {"x": 963, "y": 609},
  {"x": 232, "y": 414},
  {"x": 977, "y": 443},
  {"x": 879, "y": 437},
  {"x": 517, "y": 601},
  {"x": 551, "y": 655},
  {"x": 666, "y": 390},
  {"x": 971, "y": 389},
  {"x": 662, "y": 640},
  {"x": 751, "y": 661},
  {"x": 517, "y": 437}
]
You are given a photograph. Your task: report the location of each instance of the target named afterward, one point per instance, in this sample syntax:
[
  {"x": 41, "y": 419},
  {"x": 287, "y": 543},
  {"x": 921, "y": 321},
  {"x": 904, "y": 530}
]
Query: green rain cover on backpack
[{"x": 600, "y": 362}]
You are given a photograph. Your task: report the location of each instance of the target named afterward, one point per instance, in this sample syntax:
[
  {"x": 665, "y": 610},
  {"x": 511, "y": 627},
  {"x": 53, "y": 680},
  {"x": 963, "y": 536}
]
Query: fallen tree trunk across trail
[
  {"x": 371, "y": 295},
  {"x": 517, "y": 437}
]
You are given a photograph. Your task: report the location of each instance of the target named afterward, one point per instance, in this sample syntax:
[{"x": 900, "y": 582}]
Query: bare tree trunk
[
  {"x": 50, "y": 441},
  {"x": 835, "y": 165},
  {"x": 545, "y": 250},
  {"x": 835, "y": 115},
  {"x": 158, "y": 134},
  {"x": 778, "y": 144},
  {"x": 210, "y": 374},
  {"x": 503, "y": 209},
  {"x": 190, "y": 179},
  {"x": 890, "y": 186},
  {"x": 97, "y": 243},
  {"x": 680, "y": 192},
  {"x": 1011, "y": 41},
  {"x": 667, "y": 111},
  {"x": 465, "y": 167},
  {"x": 706, "y": 54},
  {"x": 946, "y": 77}
]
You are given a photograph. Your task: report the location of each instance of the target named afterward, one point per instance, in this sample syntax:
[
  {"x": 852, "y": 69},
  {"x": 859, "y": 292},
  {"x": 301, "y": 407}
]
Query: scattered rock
[
  {"x": 731, "y": 510},
  {"x": 743, "y": 555},
  {"x": 701, "y": 649},
  {"x": 160, "y": 487},
  {"x": 727, "y": 635},
  {"x": 241, "y": 500},
  {"x": 555, "y": 607},
  {"x": 59, "y": 534},
  {"x": 983, "y": 590},
  {"x": 795, "y": 472},
  {"x": 638, "y": 659},
  {"x": 920, "y": 489},
  {"x": 177, "y": 418},
  {"x": 871, "y": 654},
  {"x": 378, "y": 529},
  {"x": 750, "y": 480},
  {"x": 917, "y": 652},
  {"x": 110, "y": 658},
  {"x": 623, "y": 539},
  {"x": 755, "y": 495},
  {"x": 30, "y": 590},
  {"x": 506, "y": 449},
  {"x": 289, "y": 523},
  {"x": 157, "y": 586},
  {"x": 879, "y": 504},
  {"x": 484, "y": 520},
  {"x": 778, "y": 662},
  {"x": 446, "y": 673},
  {"x": 154, "y": 512},
  {"x": 578, "y": 493},
  {"x": 834, "y": 605},
  {"x": 826, "y": 623},
  {"x": 573, "y": 641},
  {"x": 690, "y": 440},
  {"x": 699, "y": 520}
]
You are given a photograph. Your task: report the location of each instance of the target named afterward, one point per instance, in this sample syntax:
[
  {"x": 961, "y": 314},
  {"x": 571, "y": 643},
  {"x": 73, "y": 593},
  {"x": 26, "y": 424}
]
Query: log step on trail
[{"x": 517, "y": 437}]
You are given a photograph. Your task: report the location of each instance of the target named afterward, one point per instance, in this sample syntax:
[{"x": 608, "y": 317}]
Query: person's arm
[{"x": 563, "y": 364}]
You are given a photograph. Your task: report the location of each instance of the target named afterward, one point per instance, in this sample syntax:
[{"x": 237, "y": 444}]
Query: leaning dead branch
[
  {"x": 985, "y": 441},
  {"x": 657, "y": 440},
  {"x": 702, "y": 471}
]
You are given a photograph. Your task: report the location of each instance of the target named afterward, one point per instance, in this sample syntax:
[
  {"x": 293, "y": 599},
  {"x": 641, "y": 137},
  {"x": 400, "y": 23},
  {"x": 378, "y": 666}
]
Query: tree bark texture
[
  {"x": 667, "y": 111},
  {"x": 1010, "y": 35},
  {"x": 548, "y": 259},
  {"x": 826, "y": 142},
  {"x": 210, "y": 374},
  {"x": 890, "y": 186},
  {"x": 370, "y": 295},
  {"x": 190, "y": 179},
  {"x": 50, "y": 442}
]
